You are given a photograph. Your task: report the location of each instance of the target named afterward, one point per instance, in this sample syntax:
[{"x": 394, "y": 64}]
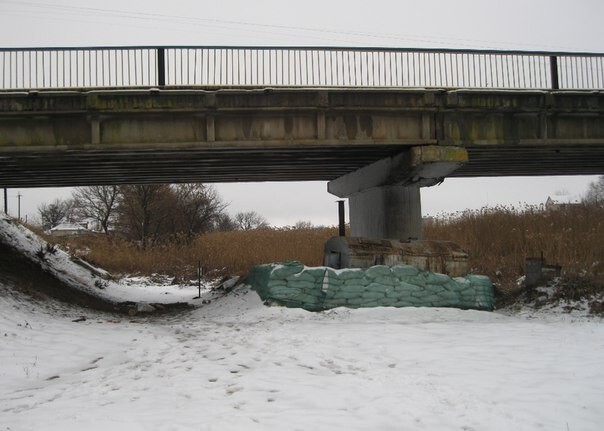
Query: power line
[{"x": 255, "y": 27}]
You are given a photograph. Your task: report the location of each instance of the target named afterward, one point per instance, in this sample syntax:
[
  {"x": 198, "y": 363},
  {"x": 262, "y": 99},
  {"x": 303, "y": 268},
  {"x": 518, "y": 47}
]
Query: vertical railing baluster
[{"x": 553, "y": 64}]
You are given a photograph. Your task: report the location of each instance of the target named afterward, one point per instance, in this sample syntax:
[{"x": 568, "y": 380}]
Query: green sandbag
[
  {"x": 258, "y": 279},
  {"x": 368, "y": 304},
  {"x": 277, "y": 283},
  {"x": 407, "y": 287},
  {"x": 363, "y": 282},
  {"x": 332, "y": 280},
  {"x": 379, "y": 288},
  {"x": 434, "y": 289},
  {"x": 373, "y": 295},
  {"x": 396, "y": 294},
  {"x": 386, "y": 281},
  {"x": 404, "y": 271},
  {"x": 428, "y": 299},
  {"x": 286, "y": 269},
  {"x": 301, "y": 284},
  {"x": 378, "y": 271},
  {"x": 293, "y": 285},
  {"x": 350, "y": 274},
  {"x": 449, "y": 296},
  {"x": 417, "y": 280},
  {"x": 316, "y": 273},
  {"x": 358, "y": 290},
  {"x": 284, "y": 292},
  {"x": 302, "y": 276},
  {"x": 436, "y": 278}
]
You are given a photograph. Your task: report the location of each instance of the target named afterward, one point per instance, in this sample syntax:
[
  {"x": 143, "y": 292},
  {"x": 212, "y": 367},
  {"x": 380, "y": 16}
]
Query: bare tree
[
  {"x": 198, "y": 208},
  {"x": 98, "y": 203},
  {"x": 303, "y": 225},
  {"x": 250, "y": 220},
  {"x": 225, "y": 223},
  {"x": 159, "y": 213},
  {"x": 595, "y": 192},
  {"x": 144, "y": 211},
  {"x": 54, "y": 213}
]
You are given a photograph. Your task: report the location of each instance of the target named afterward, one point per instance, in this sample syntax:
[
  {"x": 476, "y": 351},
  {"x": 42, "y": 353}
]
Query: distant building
[
  {"x": 552, "y": 205},
  {"x": 69, "y": 229}
]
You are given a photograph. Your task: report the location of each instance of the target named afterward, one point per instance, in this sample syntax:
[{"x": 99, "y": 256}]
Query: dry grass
[
  {"x": 222, "y": 252},
  {"x": 498, "y": 241}
]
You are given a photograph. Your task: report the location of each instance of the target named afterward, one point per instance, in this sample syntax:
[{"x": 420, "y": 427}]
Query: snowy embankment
[{"x": 80, "y": 277}]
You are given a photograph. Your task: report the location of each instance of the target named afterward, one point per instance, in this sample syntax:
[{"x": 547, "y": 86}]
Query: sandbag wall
[{"x": 294, "y": 285}]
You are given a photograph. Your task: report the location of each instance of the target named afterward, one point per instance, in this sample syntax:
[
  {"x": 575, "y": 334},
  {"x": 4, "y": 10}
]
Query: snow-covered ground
[{"x": 235, "y": 364}]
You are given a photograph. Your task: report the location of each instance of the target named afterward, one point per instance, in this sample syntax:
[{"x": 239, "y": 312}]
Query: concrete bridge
[{"x": 377, "y": 123}]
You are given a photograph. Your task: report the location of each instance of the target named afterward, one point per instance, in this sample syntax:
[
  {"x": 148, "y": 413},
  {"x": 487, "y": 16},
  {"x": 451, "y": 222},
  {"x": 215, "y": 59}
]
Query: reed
[
  {"x": 498, "y": 241},
  {"x": 219, "y": 252}
]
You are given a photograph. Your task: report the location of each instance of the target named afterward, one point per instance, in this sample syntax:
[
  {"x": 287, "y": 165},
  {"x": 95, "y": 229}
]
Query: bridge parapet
[{"x": 249, "y": 66}]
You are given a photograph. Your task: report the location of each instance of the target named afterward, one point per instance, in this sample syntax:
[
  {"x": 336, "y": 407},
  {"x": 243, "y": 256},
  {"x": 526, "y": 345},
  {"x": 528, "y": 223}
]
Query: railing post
[
  {"x": 553, "y": 68},
  {"x": 161, "y": 67}
]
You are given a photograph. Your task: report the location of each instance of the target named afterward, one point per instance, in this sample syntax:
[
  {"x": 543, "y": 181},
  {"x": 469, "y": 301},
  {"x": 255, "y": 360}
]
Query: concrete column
[{"x": 387, "y": 212}]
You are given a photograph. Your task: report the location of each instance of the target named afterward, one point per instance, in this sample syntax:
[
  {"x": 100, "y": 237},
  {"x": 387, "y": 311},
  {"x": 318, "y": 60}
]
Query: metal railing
[{"x": 221, "y": 66}]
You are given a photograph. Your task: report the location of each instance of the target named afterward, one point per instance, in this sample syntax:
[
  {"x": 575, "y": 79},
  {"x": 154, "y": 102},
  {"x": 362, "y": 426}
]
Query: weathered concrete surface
[
  {"x": 389, "y": 212},
  {"x": 444, "y": 257},
  {"x": 419, "y": 166},
  {"x": 150, "y": 136}
]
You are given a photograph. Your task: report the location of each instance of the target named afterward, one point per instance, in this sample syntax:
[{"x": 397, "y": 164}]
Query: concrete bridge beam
[{"x": 420, "y": 166}]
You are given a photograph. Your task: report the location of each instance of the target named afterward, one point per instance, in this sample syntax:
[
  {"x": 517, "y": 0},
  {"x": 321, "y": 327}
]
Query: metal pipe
[
  {"x": 341, "y": 219},
  {"x": 19, "y": 195}
]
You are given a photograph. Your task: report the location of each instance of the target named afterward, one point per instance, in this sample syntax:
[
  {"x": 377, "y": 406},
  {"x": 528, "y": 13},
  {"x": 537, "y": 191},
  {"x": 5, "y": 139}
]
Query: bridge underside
[{"x": 312, "y": 163}]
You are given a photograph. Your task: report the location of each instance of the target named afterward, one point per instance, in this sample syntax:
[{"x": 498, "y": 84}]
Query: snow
[
  {"x": 79, "y": 275},
  {"x": 236, "y": 364},
  {"x": 69, "y": 227}
]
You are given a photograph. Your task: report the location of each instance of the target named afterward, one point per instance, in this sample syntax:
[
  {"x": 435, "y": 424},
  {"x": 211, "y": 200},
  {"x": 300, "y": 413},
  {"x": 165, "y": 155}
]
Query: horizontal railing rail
[{"x": 224, "y": 66}]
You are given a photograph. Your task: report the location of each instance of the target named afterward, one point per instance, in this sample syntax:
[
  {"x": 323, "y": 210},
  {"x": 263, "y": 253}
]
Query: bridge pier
[
  {"x": 388, "y": 212},
  {"x": 384, "y": 197}
]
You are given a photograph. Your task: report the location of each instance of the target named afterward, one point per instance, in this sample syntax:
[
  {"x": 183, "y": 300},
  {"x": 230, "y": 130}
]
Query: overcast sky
[{"x": 514, "y": 24}]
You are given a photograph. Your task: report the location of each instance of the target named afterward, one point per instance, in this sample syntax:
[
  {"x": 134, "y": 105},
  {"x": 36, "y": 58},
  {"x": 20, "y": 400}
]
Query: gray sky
[{"x": 514, "y": 24}]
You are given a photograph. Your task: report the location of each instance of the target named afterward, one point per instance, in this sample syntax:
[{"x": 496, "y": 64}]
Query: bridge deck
[{"x": 143, "y": 136}]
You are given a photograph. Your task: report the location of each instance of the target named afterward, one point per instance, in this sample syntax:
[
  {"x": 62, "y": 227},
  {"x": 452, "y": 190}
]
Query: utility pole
[{"x": 5, "y": 201}]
